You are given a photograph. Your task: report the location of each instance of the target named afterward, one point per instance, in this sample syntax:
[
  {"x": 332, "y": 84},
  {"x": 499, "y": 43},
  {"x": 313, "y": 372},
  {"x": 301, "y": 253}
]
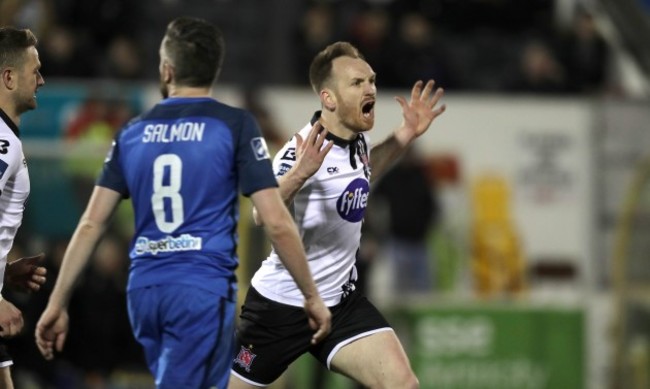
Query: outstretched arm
[
  {"x": 418, "y": 114},
  {"x": 283, "y": 233},
  {"x": 52, "y": 327}
]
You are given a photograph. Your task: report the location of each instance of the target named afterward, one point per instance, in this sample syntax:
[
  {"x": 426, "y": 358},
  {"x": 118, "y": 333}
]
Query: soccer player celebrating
[{"x": 324, "y": 174}]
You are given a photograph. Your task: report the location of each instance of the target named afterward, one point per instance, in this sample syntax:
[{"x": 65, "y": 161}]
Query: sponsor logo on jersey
[
  {"x": 351, "y": 205},
  {"x": 333, "y": 169},
  {"x": 259, "y": 148},
  {"x": 284, "y": 168},
  {"x": 245, "y": 358},
  {"x": 185, "y": 242},
  {"x": 3, "y": 168}
]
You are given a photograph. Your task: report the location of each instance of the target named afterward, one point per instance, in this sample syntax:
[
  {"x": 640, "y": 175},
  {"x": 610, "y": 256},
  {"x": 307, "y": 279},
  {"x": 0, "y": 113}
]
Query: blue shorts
[{"x": 187, "y": 334}]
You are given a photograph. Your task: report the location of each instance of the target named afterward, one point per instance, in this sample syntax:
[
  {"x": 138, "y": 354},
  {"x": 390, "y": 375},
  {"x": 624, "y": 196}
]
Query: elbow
[
  {"x": 88, "y": 227},
  {"x": 278, "y": 226}
]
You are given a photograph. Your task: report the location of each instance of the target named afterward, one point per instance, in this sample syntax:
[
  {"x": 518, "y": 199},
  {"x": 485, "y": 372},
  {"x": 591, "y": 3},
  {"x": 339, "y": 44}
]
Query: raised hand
[
  {"x": 311, "y": 153},
  {"x": 420, "y": 111}
]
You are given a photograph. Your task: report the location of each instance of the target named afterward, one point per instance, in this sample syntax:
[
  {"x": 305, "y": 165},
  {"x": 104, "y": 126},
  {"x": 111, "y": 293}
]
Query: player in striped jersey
[
  {"x": 20, "y": 80},
  {"x": 324, "y": 174}
]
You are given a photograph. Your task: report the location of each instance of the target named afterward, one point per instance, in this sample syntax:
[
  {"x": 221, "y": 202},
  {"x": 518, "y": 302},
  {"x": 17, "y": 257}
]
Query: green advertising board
[{"x": 494, "y": 347}]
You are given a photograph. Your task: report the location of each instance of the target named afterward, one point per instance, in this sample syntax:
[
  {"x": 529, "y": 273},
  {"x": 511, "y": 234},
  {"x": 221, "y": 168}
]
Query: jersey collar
[
  {"x": 185, "y": 100},
  {"x": 9, "y": 122},
  {"x": 357, "y": 146},
  {"x": 337, "y": 140}
]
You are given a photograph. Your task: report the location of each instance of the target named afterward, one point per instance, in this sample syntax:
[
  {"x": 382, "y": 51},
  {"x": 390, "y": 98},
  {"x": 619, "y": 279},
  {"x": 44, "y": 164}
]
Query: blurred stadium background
[{"x": 537, "y": 227}]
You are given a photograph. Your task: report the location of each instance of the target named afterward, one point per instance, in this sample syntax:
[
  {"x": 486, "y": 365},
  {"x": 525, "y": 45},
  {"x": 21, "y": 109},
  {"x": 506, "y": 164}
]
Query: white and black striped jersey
[
  {"x": 328, "y": 210},
  {"x": 14, "y": 187}
]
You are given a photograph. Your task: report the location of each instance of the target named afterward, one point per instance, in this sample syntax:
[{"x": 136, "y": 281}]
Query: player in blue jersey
[{"x": 182, "y": 164}]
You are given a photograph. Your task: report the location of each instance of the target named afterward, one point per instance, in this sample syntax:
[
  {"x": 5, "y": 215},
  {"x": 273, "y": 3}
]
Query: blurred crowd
[
  {"x": 476, "y": 45},
  {"x": 502, "y": 46}
]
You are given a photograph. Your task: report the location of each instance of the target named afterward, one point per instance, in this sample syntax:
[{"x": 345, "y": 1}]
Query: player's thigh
[
  {"x": 376, "y": 361},
  {"x": 5, "y": 366},
  {"x": 238, "y": 383},
  {"x": 187, "y": 334},
  {"x": 5, "y": 378},
  {"x": 270, "y": 336},
  {"x": 197, "y": 342}
]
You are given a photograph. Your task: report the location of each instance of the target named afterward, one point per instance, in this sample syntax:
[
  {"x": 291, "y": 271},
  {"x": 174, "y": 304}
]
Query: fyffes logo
[{"x": 352, "y": 203}]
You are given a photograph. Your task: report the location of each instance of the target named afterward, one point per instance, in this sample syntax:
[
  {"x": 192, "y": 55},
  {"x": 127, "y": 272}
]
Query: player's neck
[
  {"x": 10, "y": 111},
  {"x": 334, "y": 126},
  {"x": 189, "y": 91}
]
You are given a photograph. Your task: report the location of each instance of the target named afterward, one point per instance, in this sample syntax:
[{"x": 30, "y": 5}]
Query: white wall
[{"x": 546, "y": 140}]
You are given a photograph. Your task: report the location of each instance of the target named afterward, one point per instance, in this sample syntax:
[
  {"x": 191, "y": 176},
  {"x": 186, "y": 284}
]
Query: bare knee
[
  {"x": 408, "y": 381},
  {"x": 403, "y": 380}
]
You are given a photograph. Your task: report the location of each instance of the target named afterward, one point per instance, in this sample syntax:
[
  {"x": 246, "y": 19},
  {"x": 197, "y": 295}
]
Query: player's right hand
[
  {"x": 51, "y": 331},
  {"x": 310, "y": 153},
  {"x": 320, "y": 318},
  {"x": 11, "y": 319}
]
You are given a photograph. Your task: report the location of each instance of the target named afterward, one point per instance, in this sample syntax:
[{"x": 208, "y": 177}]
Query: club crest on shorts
[{"x": 245, "y": 358}]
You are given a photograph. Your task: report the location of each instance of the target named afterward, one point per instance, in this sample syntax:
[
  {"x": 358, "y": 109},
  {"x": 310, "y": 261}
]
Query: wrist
[{"x": 403, "y": 136}]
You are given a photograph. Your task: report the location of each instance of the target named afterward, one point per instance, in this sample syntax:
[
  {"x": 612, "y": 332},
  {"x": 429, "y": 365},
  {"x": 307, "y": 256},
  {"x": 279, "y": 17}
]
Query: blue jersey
[{"x": 182, "y": 164}]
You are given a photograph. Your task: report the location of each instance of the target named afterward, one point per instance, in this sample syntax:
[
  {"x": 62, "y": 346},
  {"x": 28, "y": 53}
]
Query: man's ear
[
  {"x": 8, "y": 78},
  {"x": 328, "y": 99},
  {"x": 167, "y": 72}
]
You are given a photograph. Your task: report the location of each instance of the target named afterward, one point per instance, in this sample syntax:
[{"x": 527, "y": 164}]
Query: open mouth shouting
[{"x": 368, "y": 109}]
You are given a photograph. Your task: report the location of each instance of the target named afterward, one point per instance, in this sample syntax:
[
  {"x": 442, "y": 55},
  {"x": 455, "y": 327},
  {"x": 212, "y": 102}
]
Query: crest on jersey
[
  {"x": 351, "y": 204},
  {"x": 245, "y": 358},
  {"x": 3, "y": 168},
  {"x": 259, "y": 148}
]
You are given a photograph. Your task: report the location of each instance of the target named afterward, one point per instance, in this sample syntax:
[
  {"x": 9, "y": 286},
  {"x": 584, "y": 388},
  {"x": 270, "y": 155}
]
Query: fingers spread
[
  {"x": 313, "y": 133},
  {"x": 402, "y": 101},
  {"x": 416, "y": 91},
  {"x": 427, "y": 90},
  {"x": 436, "y": 97},
  {"x": 298, "y": 141},
  {"x": 327, "y": 147},
  {"x": 321, "y": 138}
]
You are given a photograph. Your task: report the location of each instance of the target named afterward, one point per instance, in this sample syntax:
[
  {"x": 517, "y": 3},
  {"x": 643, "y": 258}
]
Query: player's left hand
[
  {"x": 25, "y": 274},
  {"x": 420, "y": 111}
]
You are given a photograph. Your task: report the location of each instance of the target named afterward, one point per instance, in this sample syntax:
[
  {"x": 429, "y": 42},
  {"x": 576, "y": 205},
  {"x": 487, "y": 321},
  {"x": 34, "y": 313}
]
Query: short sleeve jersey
[
  {"x": 14, "y": 187},
  {"x": 328, "y": 211},
  {"x": 183, "y": 163}
]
